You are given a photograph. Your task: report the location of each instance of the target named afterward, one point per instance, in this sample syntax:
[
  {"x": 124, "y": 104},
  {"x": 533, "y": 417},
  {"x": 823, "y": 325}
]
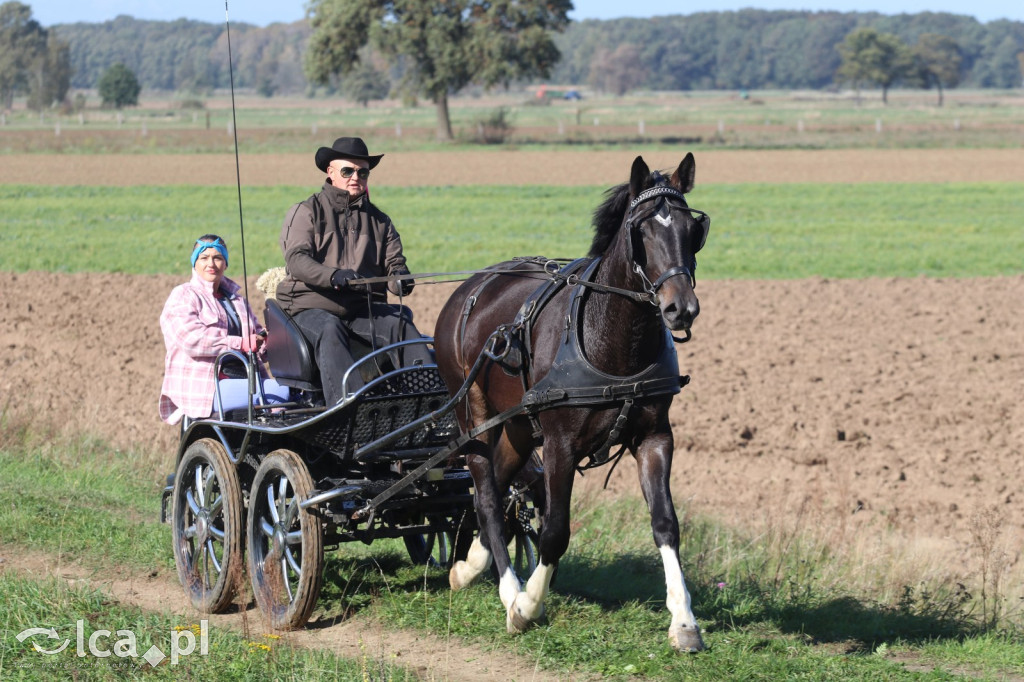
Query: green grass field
[
  {"x": 773, "y": 606},
  {"x": 758, "y": 231}
]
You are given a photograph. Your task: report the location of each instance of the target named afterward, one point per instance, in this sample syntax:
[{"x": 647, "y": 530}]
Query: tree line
[
  {"x": 758, "y": 49},
  {"x": 748, "y": 49}
]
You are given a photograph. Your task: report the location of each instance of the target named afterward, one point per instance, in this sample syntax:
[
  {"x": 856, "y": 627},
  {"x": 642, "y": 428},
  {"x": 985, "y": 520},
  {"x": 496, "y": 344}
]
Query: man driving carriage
[{"x": 332, "y": 238}]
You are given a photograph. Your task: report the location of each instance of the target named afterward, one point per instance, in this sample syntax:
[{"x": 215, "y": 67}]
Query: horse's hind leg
[
  {"x": 528, "y": 606},
  {"x": 654, "y": 463},
  {"x": 491, "y": 476},
  {"x": 478, "y": 559}
]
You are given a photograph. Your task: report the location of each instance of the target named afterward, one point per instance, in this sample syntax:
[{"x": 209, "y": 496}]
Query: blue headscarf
[{"x": 203, "y": 246}]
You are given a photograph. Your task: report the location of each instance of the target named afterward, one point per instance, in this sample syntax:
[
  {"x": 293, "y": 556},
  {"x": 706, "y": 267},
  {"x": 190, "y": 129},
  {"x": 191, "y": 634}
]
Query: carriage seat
[
  {"x": 288, "y": 353},
  {"x": 291, "y": 357}
]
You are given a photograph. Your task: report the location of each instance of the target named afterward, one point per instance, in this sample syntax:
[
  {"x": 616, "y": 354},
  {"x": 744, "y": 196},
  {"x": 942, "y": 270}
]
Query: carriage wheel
[
  {"x": 440, "y": 549},
  {"x": 286, "y": 543},
  {"x": 206, "y": 526}
]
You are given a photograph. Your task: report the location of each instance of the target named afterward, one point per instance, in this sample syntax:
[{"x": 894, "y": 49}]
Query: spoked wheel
[
  {"x": 439, "y": 549},
  {"x": 206, "y": 526},
  {"x": 286, "y": 543}
]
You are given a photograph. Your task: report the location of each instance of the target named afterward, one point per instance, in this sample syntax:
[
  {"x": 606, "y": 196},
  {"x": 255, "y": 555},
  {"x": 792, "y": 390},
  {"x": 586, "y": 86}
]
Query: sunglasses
[{"x": 347, "y": 172}]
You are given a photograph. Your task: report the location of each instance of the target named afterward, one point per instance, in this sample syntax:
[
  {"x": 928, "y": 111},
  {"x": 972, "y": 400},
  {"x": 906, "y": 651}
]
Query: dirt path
[
  {"x": 509, "y": 167},
  {"x": 427, "y": 656}
]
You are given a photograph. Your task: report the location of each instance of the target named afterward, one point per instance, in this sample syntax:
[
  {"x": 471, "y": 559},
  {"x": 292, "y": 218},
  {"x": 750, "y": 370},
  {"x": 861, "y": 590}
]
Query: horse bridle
[{"x": 632, "y": 223}]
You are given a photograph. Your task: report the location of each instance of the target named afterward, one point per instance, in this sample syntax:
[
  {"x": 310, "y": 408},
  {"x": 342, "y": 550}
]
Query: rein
[{"x": 549, "y": 267}]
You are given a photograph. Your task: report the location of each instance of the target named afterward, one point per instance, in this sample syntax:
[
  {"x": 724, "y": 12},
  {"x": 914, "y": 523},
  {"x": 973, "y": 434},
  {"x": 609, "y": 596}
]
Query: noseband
[{"x": 634, "y": 219}]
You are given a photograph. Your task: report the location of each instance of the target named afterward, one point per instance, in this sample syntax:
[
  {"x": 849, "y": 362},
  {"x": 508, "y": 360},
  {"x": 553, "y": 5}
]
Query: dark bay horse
[{"x": 597, "y": 363}]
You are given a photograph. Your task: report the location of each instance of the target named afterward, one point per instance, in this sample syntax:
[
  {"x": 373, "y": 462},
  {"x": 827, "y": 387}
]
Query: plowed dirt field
[{"x": 867, "y": 405}]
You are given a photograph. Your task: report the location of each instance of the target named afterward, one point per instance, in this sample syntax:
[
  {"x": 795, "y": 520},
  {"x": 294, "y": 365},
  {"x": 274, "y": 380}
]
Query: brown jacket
[{"x": 325, "y": 233}]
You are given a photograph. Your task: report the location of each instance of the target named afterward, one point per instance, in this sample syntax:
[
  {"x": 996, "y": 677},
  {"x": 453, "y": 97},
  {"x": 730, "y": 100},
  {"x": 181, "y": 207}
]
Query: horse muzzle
[{"x": 679, "y": 312}]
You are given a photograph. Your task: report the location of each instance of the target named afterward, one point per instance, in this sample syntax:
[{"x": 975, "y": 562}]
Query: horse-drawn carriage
[
  {"x": 277, "y": 476},
  {"x": 576, "y": 357}
]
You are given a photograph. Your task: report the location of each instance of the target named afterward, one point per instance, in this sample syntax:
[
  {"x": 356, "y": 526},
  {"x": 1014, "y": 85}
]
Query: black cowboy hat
[{"x": 345, "y": 148}]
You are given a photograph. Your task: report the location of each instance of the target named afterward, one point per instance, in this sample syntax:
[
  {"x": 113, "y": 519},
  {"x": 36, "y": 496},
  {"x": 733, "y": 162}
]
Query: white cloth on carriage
[{"x": 235, "y": 394}]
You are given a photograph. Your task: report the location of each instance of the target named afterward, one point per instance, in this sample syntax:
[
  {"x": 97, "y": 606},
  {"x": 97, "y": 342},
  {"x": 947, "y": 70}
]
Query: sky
[{"x": 263, "y": 12}]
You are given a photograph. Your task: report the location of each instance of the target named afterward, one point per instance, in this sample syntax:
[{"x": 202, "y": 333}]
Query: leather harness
[{"x": 572, "y": 380}]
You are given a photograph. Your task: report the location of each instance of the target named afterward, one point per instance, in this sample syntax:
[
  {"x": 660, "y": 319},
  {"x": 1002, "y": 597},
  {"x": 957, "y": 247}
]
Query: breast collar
[{"x": 573, "y": 380}]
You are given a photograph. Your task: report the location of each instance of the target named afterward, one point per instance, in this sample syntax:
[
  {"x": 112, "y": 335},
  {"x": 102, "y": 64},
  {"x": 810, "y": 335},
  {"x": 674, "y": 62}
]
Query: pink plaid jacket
[{"x": 195, "y": 332}]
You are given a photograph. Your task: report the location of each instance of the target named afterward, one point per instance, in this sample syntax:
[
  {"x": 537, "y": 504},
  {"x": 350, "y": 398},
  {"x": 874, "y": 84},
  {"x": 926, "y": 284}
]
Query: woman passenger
[{"x": 200, "y": 320}]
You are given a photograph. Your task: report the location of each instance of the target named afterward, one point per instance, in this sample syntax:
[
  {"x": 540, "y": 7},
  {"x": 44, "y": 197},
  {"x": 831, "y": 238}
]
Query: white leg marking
[
  {"x": 683, "y": 632},
  {"x": 464, "y": 572},
  {"x": 508, "y": 588},
  {"x": 509, "y": 591},
  {"x": 530, "y": 603}
]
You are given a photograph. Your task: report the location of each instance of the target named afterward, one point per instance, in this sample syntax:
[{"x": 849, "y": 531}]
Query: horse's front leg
[{"x": 654, "y": 464}]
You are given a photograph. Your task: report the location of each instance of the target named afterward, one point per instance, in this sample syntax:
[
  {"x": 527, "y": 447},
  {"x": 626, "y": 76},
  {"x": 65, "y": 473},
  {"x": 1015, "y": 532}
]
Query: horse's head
[{"x": 662, "y": 237}]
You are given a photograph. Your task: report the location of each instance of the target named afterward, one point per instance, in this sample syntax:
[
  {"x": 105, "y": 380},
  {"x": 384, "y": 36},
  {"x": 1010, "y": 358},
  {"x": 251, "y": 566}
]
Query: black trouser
[{"x": 330, "y": 337}]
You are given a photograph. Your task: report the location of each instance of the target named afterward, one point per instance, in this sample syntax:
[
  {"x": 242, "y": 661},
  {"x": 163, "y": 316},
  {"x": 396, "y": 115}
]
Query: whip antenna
[{"x": 238, "y": 174}]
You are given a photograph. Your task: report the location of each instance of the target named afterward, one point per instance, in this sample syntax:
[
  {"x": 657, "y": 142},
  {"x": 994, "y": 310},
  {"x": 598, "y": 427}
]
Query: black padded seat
[
  {"x": 291, "y": 358},
  {"x": 288, "y": 353}
]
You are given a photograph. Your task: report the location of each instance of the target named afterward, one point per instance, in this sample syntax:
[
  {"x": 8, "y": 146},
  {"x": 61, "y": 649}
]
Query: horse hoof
[
  {"x": 455, "y": 579},
  {"x": 686, "y": 639},
  {"x": 516, "y": 622}
]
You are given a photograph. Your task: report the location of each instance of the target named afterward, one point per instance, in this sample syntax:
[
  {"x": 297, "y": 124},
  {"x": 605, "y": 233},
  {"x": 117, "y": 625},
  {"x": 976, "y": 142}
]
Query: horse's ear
[
  {"x": 639, "y": 177},
  {"x": 682, "y": 179}
]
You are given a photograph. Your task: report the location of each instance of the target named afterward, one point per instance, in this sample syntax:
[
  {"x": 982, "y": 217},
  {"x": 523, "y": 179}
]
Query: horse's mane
[{"x": 608, "y": 218}]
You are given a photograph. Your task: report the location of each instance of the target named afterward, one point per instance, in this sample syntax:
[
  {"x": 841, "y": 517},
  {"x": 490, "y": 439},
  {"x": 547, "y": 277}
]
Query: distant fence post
[
  {"x": 398, "y": 129},
  {"x": 561, "y": 128},
  {"x": 878, "y": 125},
  {"x": 56, "y": 130},
  {"x": 800, "y": 126},
  {"x": 640, "y": 127}
]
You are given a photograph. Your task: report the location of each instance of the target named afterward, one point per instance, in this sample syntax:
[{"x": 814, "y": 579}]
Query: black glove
[
  {"x": 340, "y": 278},
  {"x": 404, "y": 286}
]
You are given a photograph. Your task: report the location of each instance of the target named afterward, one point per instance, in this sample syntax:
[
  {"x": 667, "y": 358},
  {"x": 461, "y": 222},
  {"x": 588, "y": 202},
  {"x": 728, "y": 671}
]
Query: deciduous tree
[
  {"x": 619, "y": 71},
  {"x": 118, "y": 87},
  {"x": 937, "y": 61},
  {"x": 445, "y": 44},
  {"x": 22, "y": 41},
  {"x": 873, "y": 57}
]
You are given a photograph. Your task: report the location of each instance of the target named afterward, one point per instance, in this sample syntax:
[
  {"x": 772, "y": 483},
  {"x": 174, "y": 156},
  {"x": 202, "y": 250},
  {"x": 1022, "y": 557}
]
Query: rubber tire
[
  {"x": 285, "y": 601},
  {"x": 208, "y": 458}
]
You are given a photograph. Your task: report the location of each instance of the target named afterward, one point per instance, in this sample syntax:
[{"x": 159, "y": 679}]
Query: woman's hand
[{"x": 252, "y": 342}]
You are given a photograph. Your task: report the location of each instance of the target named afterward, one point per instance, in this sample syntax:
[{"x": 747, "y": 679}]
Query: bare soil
[
  {"x": 509, "y": 167},
  {"x": 882, "y": 406}
]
